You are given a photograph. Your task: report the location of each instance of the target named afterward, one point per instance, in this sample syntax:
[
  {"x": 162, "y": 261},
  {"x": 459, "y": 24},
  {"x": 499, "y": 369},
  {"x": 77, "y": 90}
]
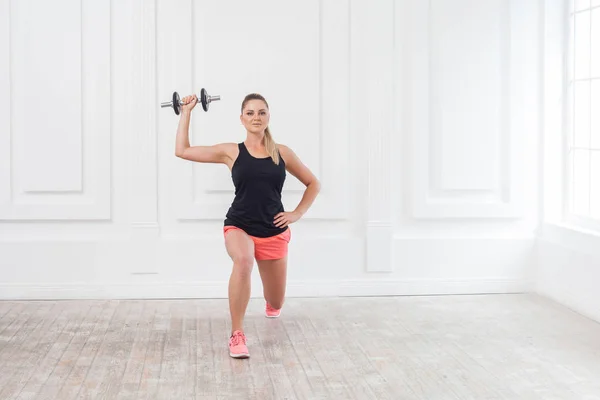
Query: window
[{"x": 582, "y": 167}]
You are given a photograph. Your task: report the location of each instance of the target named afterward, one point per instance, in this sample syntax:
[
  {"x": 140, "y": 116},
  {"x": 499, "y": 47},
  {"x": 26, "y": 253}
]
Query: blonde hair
[{"x": 270, "y": 145}]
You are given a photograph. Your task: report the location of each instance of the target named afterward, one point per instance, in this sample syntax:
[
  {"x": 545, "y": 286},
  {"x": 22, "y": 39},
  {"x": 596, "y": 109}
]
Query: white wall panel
[
  {"x": 469, "y": 97},
  {"x": 468, "y": 100},
  {"x": 302, "y": 70},
  {"x": 56, "y": 110},
  {"x": 46, "y": 57}
]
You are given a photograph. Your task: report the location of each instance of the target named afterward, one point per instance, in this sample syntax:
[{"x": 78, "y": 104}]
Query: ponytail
[{"x": 271, "y": 146}]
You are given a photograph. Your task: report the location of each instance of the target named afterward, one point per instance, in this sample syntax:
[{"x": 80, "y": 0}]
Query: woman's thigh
[{"x": 240, "y": 246}]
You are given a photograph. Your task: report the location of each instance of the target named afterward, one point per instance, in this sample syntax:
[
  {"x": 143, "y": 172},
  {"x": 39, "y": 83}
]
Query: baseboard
[
  {"x": 331, "y": 288},
  {"x": 369, "y": 287},
  {"x": 584, "y": 305}
]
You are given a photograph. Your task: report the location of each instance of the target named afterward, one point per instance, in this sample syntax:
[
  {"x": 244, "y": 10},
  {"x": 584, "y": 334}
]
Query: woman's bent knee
[{"x": 242, "y": 265}]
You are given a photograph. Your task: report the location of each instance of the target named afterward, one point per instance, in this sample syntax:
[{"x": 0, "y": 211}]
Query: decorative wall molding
[
  {"x": 56, "y": 161},
  {"x": 379, "y": 109},
  {"x": 143, "y": 165},
  {"x": 306, "y": 288},
  {"x": 467, "y": 123}
]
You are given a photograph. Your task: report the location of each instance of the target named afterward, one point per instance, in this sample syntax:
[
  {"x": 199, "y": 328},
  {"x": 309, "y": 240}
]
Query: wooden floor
[{"x": 447, "y": 347}]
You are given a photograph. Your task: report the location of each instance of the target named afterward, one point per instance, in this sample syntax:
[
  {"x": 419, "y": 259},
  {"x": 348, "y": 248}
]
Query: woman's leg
[
  {"x": 273, "y": 274},
  {"x": 241, "y": 250}
]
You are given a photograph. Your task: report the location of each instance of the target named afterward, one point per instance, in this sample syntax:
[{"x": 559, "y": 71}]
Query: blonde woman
[{"x": 256, "y": 226}]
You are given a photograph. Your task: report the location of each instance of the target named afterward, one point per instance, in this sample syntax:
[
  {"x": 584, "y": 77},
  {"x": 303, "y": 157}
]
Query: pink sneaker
[
  {"x": 237, "y": 345},
  {"x": 272, "y": 312}
]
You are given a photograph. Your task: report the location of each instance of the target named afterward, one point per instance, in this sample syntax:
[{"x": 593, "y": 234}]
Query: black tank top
[{"x": 258, "y": 184}]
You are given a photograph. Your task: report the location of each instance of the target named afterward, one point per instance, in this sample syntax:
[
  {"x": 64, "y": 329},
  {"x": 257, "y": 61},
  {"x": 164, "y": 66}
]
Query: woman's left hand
[{"x": 285, "y": 218}]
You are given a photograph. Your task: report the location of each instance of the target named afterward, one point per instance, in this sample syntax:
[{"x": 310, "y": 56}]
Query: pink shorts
[{"x": 268, "y": 248}]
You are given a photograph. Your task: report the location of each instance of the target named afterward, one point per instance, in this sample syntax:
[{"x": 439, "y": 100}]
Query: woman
[{"x": 256, "y": 225}]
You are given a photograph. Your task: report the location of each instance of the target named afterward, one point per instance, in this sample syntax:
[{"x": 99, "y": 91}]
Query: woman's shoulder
[
  {"x": 287, "y": 154},
  {"x": 283, "y": 149},
  {"x": 229, "y": 148}
]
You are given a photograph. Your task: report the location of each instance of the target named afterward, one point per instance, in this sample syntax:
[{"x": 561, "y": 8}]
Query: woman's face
[{"x": 255, "y": 116}]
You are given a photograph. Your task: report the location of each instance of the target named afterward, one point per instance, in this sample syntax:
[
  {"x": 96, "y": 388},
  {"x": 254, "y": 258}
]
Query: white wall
[
  {"x": 420, "y": 119},
  {"x": 567, "y": 256},
  {"x": 568, "y": 269}
]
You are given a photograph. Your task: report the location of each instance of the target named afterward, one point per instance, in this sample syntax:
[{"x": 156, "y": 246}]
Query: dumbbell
[{"x": 176, "y": 102}]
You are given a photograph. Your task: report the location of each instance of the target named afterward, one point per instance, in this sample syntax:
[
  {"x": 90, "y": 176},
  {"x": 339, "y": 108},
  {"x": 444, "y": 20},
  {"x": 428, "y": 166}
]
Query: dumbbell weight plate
[
  {"x": 176, "y": 103},
  {"x": 204, "y": 99}
]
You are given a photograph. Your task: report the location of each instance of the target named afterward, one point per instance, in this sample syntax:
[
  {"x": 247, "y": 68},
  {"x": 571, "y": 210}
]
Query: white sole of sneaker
[
  {"x": 272, "y": 316},
  {"x": 243, "y": 355}
]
